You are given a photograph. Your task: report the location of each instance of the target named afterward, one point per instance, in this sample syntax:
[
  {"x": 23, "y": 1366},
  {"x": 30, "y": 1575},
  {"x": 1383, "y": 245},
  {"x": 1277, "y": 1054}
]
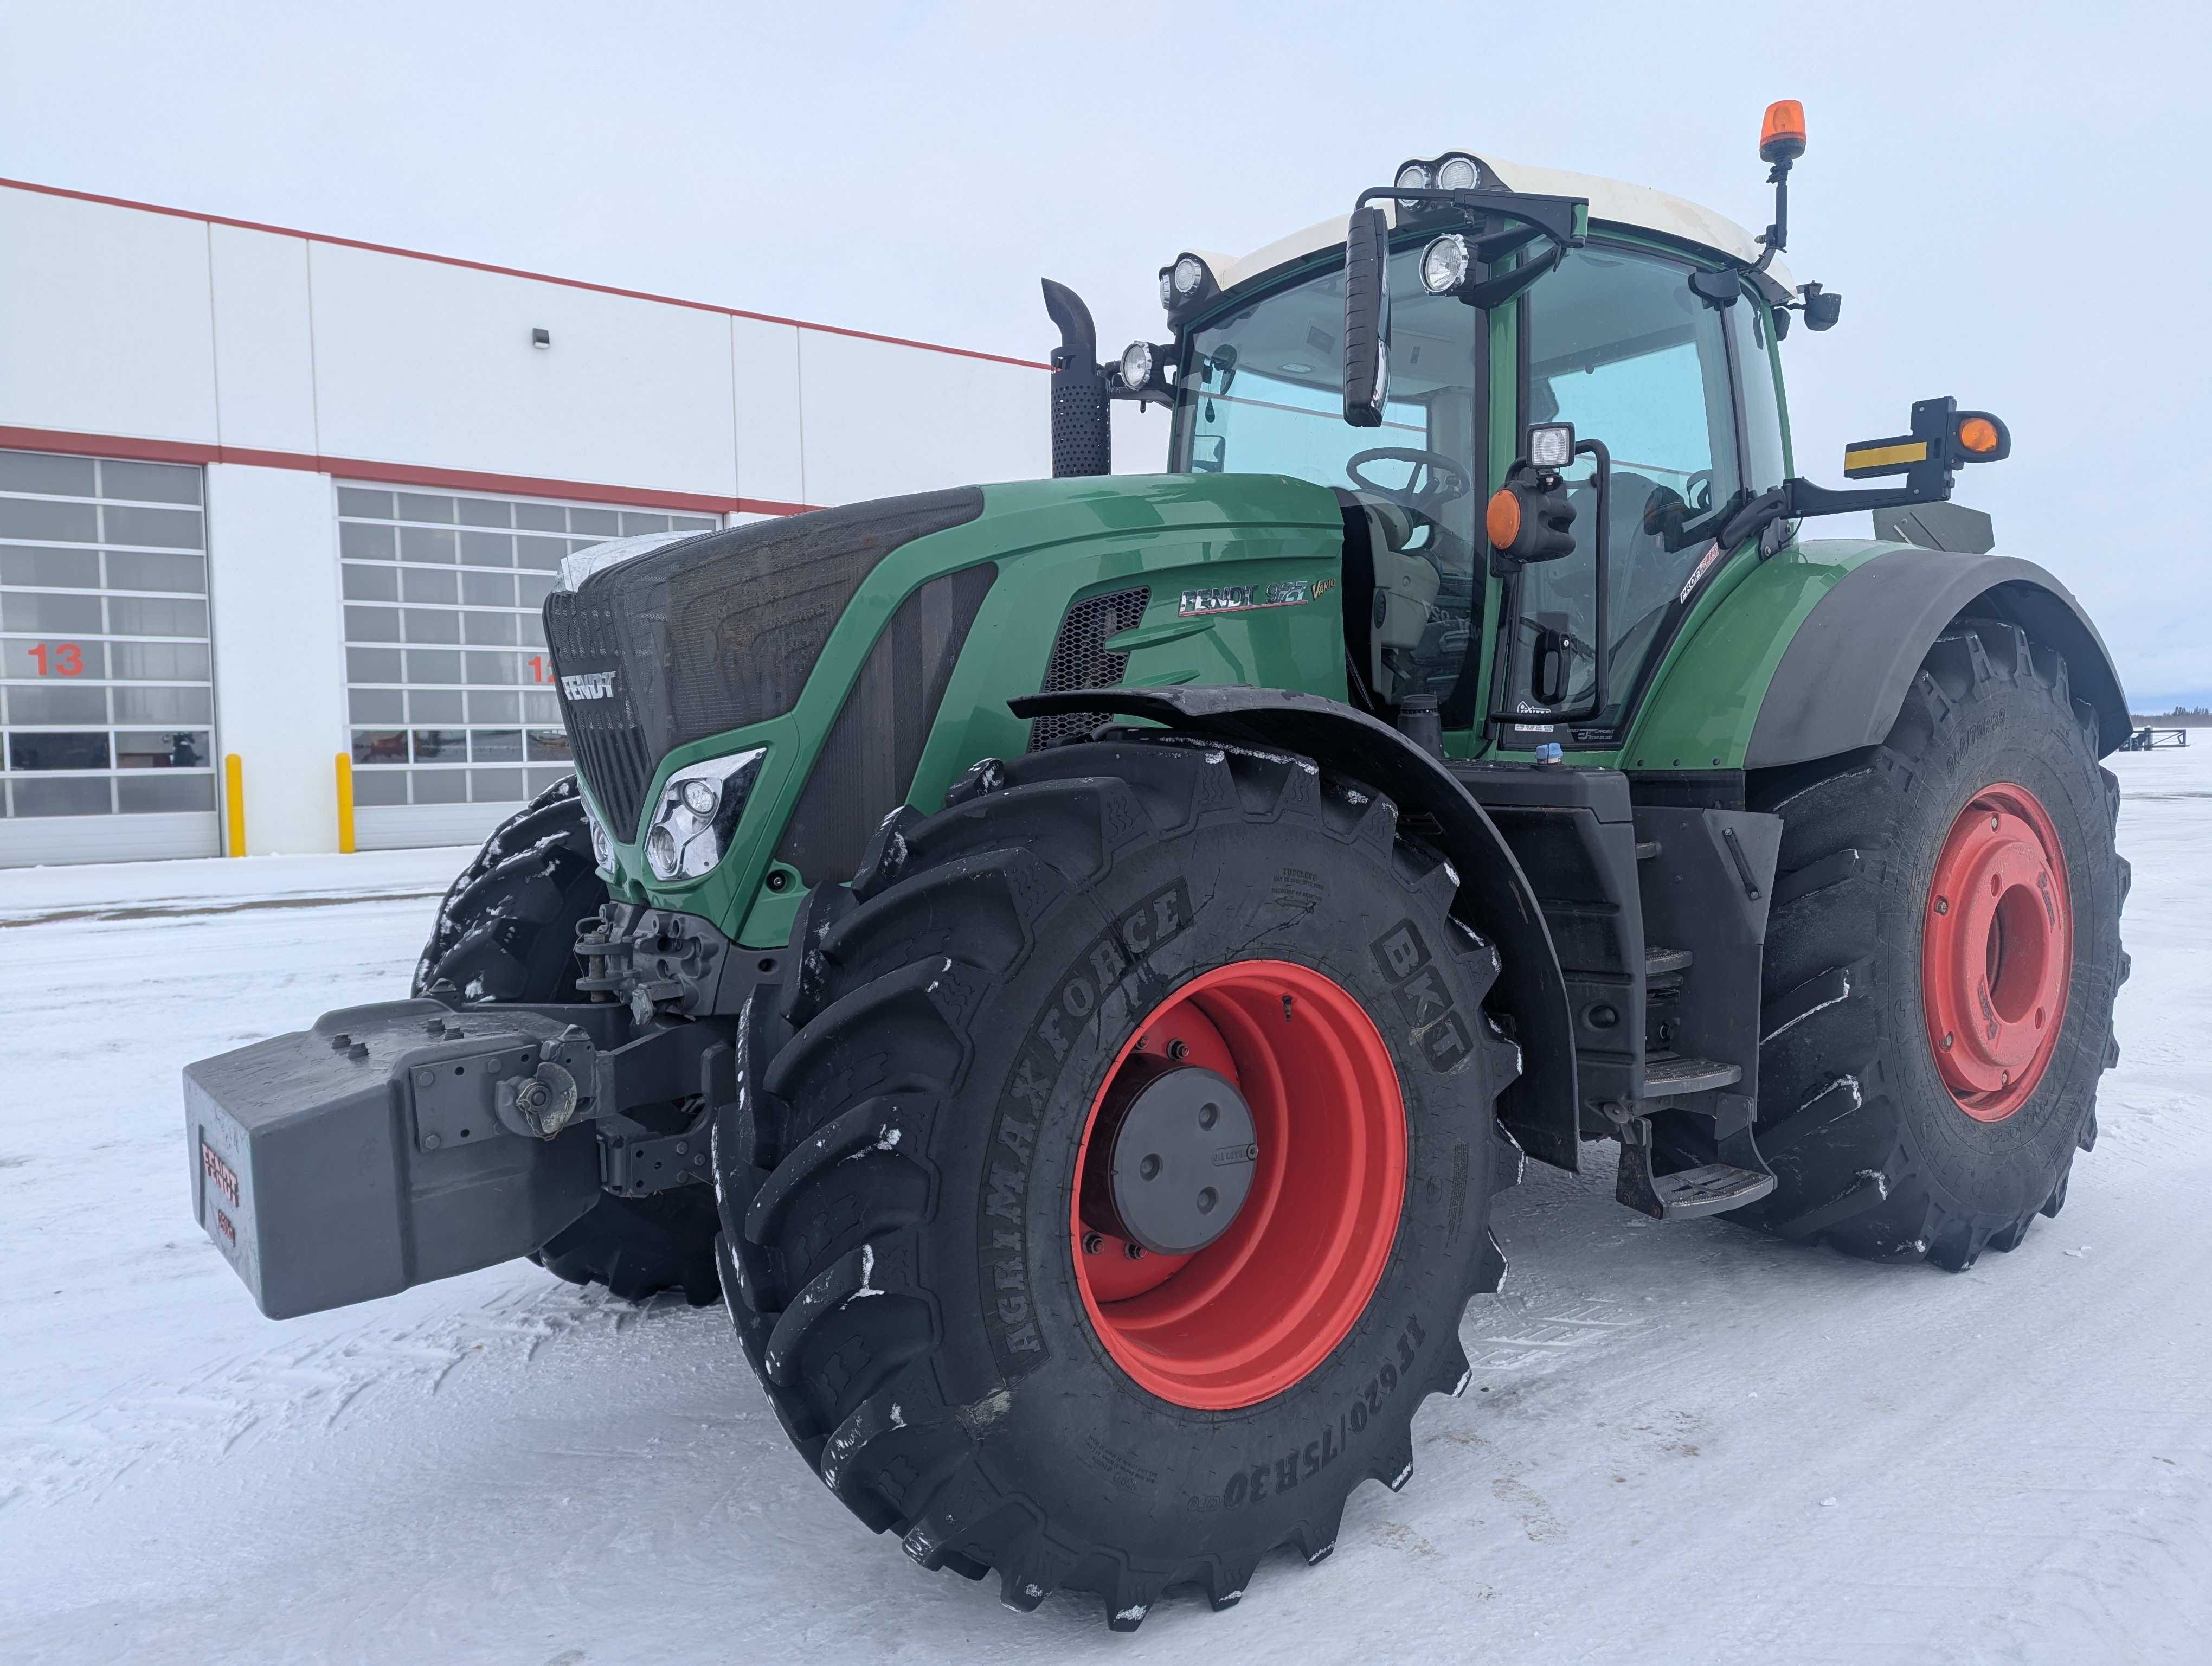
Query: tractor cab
[
  {"x": 1406, "y": 356},
  {"x": 1614, "y": 342}
]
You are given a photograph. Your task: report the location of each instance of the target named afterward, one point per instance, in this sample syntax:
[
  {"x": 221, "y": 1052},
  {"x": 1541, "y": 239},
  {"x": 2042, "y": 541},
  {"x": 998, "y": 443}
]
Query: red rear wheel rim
[
  {"x": 1262, "y": 1305},
  {"x": 1996, "y": 951}
]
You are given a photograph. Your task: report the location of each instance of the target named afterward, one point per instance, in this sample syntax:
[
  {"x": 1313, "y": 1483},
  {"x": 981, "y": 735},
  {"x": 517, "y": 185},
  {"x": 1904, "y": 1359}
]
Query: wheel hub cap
[
  {"x": 1996, "y": 951},
  {"x": 1172, "y": 1158}
]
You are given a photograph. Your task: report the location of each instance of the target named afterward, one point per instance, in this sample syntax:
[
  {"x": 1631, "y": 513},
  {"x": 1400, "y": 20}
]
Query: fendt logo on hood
[{"x": 589, "y": 685}]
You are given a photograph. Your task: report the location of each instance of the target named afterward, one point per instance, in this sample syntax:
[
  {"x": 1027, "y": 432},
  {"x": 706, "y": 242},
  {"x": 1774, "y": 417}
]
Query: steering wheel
[{"x": 1435, "y": 480}]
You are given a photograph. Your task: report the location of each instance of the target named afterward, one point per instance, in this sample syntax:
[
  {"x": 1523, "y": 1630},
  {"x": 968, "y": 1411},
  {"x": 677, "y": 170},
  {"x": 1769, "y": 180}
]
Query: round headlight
[
  {"x": 603, "y": 848},
  {"x": 1188, "y": 275},
  {"x": 1167, "y": 290},
  {"x": 1136, "y": 364},
  {"x": 1444, "y": 264},
  {"x": 1414, "y": 176},
  {"x": 661, "y": 855},
  {"x": 701, "y": 797},
  {"x": 1458, "y": 173}
]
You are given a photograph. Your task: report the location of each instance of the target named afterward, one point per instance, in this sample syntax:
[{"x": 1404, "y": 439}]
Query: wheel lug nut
[
  {"x": 1093, "y": 1242},
  {"x": 1133, "y": 1251},
  {"x": 1177, "y": 1049}
]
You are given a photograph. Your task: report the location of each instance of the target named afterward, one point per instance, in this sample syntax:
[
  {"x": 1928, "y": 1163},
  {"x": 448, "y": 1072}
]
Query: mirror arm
[
  {"x": 1506, "y": 287},
  {"x": 1796, "y": 499}
]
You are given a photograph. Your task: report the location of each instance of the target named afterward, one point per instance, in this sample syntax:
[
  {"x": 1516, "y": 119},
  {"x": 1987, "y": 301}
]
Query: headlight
[
  {"x": 1188, "y": 275},
  {"x": 1167, "y": 287},
  {"x": 603, "y": 848},
  {"x": 1136, "y": 365},
  {"x": 1414, "y": 176},
  {"x": 1444, "y": 264},
  {"x": 1458, "y": 173},
  {"x": 699, "y": 811}
]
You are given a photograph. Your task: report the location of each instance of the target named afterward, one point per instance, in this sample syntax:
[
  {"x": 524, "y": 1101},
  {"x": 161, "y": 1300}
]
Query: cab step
[
  {"x": 1667, "y": 1075},
  {"x": 1657, "y": 959},
  {"x": 1708, "y": 1190}
]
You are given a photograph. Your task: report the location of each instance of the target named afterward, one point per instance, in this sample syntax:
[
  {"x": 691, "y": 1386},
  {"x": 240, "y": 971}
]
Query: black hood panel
[{"x": 714, "y": 633}]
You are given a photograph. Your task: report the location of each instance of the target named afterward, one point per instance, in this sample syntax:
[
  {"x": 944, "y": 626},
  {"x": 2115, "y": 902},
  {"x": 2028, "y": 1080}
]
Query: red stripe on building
[{"x": 388, "y": 474}]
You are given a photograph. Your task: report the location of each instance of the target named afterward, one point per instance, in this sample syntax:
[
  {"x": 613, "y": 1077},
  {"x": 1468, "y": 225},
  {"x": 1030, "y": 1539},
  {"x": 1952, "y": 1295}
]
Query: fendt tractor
[{"x": 1071, "y": 963}]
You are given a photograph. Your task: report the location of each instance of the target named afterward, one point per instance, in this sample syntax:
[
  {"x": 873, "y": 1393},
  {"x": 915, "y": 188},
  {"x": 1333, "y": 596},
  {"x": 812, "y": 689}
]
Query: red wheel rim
[
  {"x": 1262, "y": 1305},
  {"x": 1996, "y": 952}
]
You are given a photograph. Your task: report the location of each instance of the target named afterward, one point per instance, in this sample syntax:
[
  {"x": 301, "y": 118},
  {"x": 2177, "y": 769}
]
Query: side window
[
  {"x": 1619, "y": 346},
  {"x": 1762, "y": 404}
]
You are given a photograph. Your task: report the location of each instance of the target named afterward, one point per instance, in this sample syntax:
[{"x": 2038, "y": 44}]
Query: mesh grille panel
[
  {"x": 609, "y": 745},
  {"x": 1079, "y": 659}
]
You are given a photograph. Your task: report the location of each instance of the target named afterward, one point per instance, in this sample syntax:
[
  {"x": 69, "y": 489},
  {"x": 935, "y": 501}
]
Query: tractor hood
[{"x": 726, "y": 631}]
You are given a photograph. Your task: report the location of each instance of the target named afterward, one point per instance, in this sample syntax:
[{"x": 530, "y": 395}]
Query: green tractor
[{"x": 1071, "y": 963}]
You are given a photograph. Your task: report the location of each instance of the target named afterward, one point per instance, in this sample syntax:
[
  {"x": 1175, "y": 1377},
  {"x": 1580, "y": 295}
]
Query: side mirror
[{"x": 1366, "y": 317}]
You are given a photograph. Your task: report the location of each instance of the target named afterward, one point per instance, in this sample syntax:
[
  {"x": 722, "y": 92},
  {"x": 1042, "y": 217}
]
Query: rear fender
[
  {"x": 1494, "y": 895},
  {"x": 1843, "y": 679}
]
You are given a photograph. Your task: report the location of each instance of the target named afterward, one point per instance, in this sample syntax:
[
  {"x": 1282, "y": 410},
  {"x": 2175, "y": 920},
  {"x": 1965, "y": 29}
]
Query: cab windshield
[{"x": 1262, "y": 393}]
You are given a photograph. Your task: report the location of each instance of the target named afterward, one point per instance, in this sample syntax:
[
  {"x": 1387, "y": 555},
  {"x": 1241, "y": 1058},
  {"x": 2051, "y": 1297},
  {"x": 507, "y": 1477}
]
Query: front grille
[
  {"x": 610, "y": 746},
  {"x": 717, "y": 632},
  {"x": 1079, "y": 659}
]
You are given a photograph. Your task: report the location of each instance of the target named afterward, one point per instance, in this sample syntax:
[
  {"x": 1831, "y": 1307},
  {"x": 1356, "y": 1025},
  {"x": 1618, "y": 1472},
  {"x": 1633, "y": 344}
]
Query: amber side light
[
  {"x": 1979, "y": 434},
  {"x": 1782, "y": 135},
  {"x": 1502, "y": 520}
]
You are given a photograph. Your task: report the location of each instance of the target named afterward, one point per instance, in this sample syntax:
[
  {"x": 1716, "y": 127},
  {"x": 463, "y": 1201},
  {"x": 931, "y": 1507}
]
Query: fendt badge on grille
[{"x": 589, "y": 685}]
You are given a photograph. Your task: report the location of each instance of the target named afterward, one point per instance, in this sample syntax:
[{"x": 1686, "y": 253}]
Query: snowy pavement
[{"x": 1687, "y": 1444}]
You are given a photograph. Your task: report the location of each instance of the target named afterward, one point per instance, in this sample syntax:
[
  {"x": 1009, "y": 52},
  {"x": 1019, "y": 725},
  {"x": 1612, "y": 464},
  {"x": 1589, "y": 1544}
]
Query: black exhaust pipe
[{"x": 1082, "y": 430}]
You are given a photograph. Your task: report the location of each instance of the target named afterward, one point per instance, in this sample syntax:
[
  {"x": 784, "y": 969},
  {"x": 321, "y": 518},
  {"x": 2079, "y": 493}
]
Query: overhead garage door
[
  {"x": 447, "y": 684},
  {"x": 105, "y": 695}
]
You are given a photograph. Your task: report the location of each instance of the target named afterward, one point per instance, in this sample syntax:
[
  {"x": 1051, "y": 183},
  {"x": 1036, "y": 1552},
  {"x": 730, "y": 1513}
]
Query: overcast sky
[{"x": 2011, "y": 197}]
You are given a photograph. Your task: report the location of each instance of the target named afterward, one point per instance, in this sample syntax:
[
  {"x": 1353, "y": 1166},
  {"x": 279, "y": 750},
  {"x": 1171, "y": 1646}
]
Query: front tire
[
  {"x": 507, "y": 931},
  {"x": 1941, "y": 964},
  {"x": 950, "y": 1334}
]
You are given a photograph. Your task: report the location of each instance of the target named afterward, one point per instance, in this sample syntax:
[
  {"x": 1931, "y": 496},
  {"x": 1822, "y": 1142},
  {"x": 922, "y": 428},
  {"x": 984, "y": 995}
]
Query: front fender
[{"x": 1494, "y": 896}]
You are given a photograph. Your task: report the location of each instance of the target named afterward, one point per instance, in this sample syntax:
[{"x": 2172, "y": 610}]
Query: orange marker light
[
  {"x": 1979, "y": 434},
  {"x": 1782, "y": 136},
  {"x": 1502, "y": 520}
]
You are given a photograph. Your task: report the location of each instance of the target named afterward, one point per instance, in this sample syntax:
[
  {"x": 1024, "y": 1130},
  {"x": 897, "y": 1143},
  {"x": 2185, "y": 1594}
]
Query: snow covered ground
[{"x": 1688, "y": 1444}]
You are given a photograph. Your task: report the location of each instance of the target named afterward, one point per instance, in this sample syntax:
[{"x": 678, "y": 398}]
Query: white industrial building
[{"x": 286, "y": 497}]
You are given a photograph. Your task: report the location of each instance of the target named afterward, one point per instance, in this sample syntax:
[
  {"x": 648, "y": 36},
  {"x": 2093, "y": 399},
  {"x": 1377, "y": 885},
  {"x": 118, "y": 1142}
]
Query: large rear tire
[
  {"x": 507, "y": 931},
  {"x": 1940, "y": 963},
  {"x": 953, "y": 1336}
]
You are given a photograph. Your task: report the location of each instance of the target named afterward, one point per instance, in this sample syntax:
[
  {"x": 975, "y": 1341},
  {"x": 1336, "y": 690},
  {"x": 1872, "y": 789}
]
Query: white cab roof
[{"x": 1610, "y": 200}]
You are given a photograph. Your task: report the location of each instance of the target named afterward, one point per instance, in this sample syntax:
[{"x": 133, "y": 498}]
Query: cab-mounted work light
[{"x": 1445, "y": 264}]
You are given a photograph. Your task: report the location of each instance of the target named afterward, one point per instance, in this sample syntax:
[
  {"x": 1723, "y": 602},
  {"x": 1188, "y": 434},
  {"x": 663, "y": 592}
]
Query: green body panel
[{"x": 1054, "y": 542}]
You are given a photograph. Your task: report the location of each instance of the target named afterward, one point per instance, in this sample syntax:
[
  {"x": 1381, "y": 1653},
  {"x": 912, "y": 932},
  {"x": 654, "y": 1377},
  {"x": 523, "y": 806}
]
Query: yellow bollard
[
  {"x": 345, "y": 804},
  {"x": 234, "y": 802}
]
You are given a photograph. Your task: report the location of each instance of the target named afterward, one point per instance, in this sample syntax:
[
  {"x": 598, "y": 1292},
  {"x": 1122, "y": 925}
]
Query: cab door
[{"x": 1617, "y": 344}]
